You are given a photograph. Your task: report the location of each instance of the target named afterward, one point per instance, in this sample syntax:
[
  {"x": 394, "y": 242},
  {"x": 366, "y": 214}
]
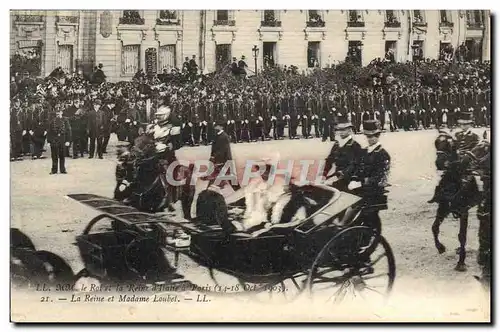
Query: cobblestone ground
[{"x": 40, "y": 209}]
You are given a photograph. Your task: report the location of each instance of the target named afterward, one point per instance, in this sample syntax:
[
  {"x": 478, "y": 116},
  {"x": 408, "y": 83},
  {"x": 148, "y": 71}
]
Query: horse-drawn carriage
[{"x": 319, "y": 252}]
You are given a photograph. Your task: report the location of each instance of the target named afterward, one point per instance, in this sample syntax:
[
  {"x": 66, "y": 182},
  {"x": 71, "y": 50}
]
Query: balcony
[
  {"x": 446, "y": 24},
  {"x": 392, "y": 24},
  {"x": 132, "y": 20},
  {"x": 230, "y": 23},
  {"x": 29, "y": 18},
  {"x": 271, "y": 24},
  {"x": 315, "y": 24},
  {"x": 420, "y": 24},
  {"x": 355, "y": 24},
  {"x": 162, "y": 21},
  {"x": 475, "y": 25},
  {"x": 67, "y": 19}
]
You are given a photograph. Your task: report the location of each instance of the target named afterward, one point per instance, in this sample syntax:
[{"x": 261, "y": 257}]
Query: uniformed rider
[{"x": 167, "y": 135}]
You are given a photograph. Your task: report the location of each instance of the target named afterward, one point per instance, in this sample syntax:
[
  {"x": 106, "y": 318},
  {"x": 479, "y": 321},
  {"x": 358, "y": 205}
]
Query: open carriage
[{"x": 316, "y": 253}]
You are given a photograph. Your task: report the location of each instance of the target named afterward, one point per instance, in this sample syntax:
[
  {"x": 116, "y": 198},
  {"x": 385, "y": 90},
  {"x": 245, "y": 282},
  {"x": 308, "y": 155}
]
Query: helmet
[{"x": 163, "y": 113}]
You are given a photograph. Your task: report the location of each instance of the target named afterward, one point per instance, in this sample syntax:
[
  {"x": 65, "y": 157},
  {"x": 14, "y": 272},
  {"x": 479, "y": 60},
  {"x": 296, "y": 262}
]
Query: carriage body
[{"x": 132, "y": 247}]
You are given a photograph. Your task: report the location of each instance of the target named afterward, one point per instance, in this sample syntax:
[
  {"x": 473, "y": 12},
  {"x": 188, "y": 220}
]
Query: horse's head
[{"x": 445, "y": 147}]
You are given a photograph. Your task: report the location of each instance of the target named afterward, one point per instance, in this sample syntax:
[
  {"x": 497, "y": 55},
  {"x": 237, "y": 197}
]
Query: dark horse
[
  {"x": 481, "y": 155},
  {"x": 456, "y": 193},
  {"x": 141, "y": 179}
]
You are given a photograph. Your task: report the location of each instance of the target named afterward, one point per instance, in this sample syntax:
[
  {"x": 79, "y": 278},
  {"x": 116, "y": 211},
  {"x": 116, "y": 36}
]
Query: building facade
[{"x": 128, "y": 40}]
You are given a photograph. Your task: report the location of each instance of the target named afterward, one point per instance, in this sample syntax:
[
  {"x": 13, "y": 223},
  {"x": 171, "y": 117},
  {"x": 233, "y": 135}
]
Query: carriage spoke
[
  {"x": 374, "y": 290},
  {"x": 375, "y": 261},
  {"x": 367, "y": 277}
]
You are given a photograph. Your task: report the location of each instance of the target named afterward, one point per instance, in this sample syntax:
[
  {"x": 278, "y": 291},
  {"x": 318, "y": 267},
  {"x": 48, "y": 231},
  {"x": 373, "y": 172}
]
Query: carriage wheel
[
  {"x": 283, "y": 290},
  {"x": 349, "y": 266}
]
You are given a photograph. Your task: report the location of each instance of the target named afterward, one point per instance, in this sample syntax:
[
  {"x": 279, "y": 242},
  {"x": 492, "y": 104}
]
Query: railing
[
  {"x": 231, "y": 23},
  {"x": 446, "y": 24},
  {"x": 167, "y": 21},
  {"x": 29, "y": 18},
  {"x": 274, "y": 24},
  {"x": 315, "y": 24},
  {"x": 392, "y": 24},
  {"x": 420, "y": 24},
  {"x": 132, "y": 21},
  {"x": 67, "y": 19},
  {"x": 475, "y": 25},
  {"x": 355, "y": 24}
]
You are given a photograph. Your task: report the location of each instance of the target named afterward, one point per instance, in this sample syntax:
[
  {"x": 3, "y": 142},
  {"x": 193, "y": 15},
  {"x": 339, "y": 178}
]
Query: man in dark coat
[
  {"x": 220, "y": 152},
  {"x": 371, "y": 176},
  {"x": 345, "y": 155},
  {"x": 99, "y": 76},
  {"x": 98, "y": 127},
  {"x": 59, "y": 137}
]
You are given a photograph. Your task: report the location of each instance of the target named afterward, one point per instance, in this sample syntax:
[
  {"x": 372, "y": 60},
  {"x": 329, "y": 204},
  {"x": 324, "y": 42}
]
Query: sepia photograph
[{"x": 246, "y": 165}]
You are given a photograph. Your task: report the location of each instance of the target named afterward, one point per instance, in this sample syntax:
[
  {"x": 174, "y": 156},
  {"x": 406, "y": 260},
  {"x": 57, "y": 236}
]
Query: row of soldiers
[
  {"x": 266, "y": 115},
  {"x": 91, "y": 121},
  {"x": 246, "y": 117}
]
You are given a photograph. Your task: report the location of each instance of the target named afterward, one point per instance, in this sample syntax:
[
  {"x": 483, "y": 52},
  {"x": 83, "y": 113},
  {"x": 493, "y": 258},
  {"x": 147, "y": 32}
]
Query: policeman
[
  {"x": 345, "y": 154},
  {"x": 465, "y": 138},
  {"x": 59, "y": 137}
]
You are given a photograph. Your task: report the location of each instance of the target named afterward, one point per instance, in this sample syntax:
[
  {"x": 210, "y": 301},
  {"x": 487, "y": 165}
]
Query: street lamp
[
  {"x": 255, "y": 51},
  {"x": 416, "y": 55}
]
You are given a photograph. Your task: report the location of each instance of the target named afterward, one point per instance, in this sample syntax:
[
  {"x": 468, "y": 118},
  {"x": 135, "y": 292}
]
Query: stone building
[{"x": 154, "y": 40}]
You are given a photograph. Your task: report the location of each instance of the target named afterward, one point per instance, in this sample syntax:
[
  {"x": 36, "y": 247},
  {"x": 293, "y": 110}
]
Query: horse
[
  {"x": 142, "y": 182},
  {"x": 481, "y": 155},
  {"x": 456, "y": 193}
]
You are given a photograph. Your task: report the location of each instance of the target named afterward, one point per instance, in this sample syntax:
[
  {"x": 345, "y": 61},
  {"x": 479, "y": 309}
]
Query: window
[
  {"x": 223, "y": 15},
  {"x": 390, "y": 50},
  {"x": 472, "y": 50},
  {"x": 446, "y": 51},
  {"x": 131, "y": 17},
  {"x": 355, "y": 19},
  {"x": 269, "y": 54},
  {"x": 354, "y": 53},
  {"x": 65, "y": 57},
  {"x": 313, "y": 54},
  {"x": 130, "y": 59},
  {"x": 391, "y": 19},
  {"x": 167, "y": 58},
  {"x": 222, "y": 56},
  {"x": 314, "y": 19},
  {"x": 167, "y": 17},
  {"x": 270, "y": 19},
  {"x": 474, "y": 19},
  {"x": 445, "y": 16},
  {"x": 418, "y": 50},
  {"x": 418, "y": 18}
]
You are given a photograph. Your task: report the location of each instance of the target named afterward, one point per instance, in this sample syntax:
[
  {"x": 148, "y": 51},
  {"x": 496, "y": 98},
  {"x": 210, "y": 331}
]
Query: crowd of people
[{"x": 278, "y": 103}]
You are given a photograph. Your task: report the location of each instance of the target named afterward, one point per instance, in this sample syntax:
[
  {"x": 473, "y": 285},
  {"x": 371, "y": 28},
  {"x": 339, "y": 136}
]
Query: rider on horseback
[
  {"x": 167, "y": 136},
  {"x": 464, "y": 141}
]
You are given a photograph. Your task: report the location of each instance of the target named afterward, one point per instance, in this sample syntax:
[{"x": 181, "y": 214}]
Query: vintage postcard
[{"x": 250, "y": 165}]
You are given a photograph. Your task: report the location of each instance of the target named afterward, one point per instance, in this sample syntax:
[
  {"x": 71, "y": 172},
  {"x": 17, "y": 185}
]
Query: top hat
[
  {"x": 371, "y": 127},
  {"x": 97, "y": 102},
  {"x": 342, "y": 122},
  {"x": 465, "y": 118}
]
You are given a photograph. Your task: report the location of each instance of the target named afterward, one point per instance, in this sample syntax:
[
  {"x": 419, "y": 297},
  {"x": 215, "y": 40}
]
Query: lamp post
[
  {"x": 415, "y": 48},
  {"x": 255, "y": 51}
]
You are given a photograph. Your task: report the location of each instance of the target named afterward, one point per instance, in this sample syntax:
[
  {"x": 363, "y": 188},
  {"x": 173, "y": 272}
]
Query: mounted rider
[
  {"x": 166, "y": 133},
  {"x": 464, "y": 141}
]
